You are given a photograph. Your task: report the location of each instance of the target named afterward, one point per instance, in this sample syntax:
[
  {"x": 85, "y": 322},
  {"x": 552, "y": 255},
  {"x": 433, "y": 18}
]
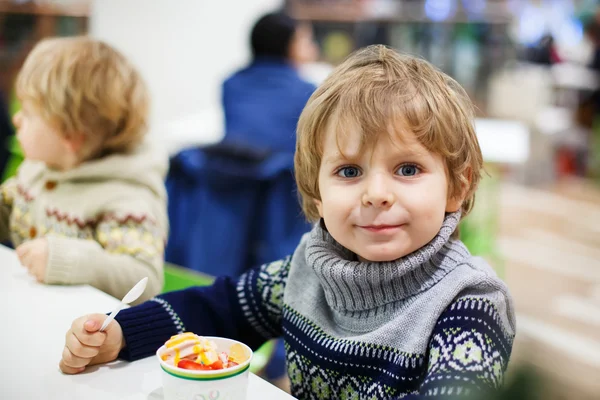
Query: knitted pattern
[
  {"x": 104, "y": 221},
  {"x": 433, "y": 324},
  {"x": 469, "y": 351}
]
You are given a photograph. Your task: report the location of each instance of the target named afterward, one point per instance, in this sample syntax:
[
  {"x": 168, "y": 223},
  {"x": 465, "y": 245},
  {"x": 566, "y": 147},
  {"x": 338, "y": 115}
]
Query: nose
[{"x": 377, "y": 192}]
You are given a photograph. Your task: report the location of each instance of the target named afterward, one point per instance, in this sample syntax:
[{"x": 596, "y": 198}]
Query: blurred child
[
  {"x": 380, "y": 300},
  {"x": 88, "y": 204}
]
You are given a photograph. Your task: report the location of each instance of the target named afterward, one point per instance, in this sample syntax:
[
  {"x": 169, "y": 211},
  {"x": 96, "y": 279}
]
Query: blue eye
[
  {"x": 348, "y": 172},
  {"x": 408, "y": 170}
]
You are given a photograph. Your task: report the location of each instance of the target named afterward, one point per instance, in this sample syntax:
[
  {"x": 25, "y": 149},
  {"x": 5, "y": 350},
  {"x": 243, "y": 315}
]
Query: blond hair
[
  {"x": 84, "y": 86},
  {"x": 379, "y": 91}
]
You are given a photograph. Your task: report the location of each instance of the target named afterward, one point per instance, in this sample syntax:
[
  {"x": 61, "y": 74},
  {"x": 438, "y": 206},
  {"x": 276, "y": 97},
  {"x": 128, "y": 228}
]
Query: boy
[
  {"x": 88, "y": 205},
  {"x": 380, "y": 300}
]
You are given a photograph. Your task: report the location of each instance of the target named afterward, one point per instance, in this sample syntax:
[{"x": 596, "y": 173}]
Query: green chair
[
  {"x": 178, "y": 278},
  {"x": 16, "y": 157}
]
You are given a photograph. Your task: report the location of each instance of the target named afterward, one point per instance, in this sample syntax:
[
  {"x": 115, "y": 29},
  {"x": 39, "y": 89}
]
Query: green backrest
[
  {"x": 15, "y": 159},
  {"x": 16, "y": 154},
  {"x": 178, "y": 278}
]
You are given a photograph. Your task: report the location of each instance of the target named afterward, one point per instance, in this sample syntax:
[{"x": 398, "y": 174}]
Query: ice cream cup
[{"x": 225, "y": 384}]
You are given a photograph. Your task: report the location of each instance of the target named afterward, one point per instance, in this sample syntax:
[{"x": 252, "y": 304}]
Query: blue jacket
[
  {"x": 231, "y": 208},
  {"x": 262, "y": 104}
]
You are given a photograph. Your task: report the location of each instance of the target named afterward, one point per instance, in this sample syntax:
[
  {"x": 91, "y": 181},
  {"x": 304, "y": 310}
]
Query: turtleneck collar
[{"x": 354, "y": 286}]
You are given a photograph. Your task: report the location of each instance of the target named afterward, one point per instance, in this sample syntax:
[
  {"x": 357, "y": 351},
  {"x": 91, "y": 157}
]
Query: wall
[{"x": 184, "y": 48}]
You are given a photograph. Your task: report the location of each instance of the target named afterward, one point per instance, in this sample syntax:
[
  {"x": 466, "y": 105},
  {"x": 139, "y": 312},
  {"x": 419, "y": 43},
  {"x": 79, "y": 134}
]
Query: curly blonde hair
[
  {"x": 84, "y": 86},
  {"x": 380, "y": 91}
]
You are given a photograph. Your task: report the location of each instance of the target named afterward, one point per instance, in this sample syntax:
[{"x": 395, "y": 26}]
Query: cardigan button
[
  {"x": 32, "y": 232},
  {"x": 50, "y": 185}
]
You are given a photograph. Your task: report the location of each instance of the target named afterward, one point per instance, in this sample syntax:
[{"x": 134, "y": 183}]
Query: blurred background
[{"x": 530, "y": 66}]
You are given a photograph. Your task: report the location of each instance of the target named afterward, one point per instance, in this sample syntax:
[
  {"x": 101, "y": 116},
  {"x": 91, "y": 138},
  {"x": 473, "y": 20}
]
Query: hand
[
  {"x": 84, "y": 345},
  {"x": 33, "y": 255}
]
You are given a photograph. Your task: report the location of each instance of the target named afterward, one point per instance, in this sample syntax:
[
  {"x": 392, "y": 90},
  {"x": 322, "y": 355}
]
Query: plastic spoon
[{"x": 130, "y": 297}]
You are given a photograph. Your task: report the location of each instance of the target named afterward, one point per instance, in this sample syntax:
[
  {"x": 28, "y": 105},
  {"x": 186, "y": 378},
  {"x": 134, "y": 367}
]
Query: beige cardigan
[{"x": 105, "y": 220}]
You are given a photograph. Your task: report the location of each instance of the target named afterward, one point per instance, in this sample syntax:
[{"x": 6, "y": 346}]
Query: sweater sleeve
[
  {"x": 248, "y": 309},
  {"x": 7, "y": 196},
  {"x": 125, "y": 250},
  {"x": 469, "y": 351}
]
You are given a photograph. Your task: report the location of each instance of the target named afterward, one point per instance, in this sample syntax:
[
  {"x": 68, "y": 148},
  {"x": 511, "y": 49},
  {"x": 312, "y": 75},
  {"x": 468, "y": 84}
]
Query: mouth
[{"x": 381, "y": 228}]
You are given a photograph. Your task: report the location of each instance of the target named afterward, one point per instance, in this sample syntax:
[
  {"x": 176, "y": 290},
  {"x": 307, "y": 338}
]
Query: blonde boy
[
  {"x": 88, "y": 205},
  {"x": 381, "y": 300}
]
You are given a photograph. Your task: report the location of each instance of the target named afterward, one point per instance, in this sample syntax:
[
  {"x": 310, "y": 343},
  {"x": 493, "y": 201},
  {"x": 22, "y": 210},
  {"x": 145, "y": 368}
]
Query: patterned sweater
[
  {"x": 105, "y": 220},
  {"x": 435, "y": 323}
]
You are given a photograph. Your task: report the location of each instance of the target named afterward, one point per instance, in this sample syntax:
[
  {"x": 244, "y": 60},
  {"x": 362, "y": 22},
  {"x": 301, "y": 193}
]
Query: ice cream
[{"x": 190, "y": 351}]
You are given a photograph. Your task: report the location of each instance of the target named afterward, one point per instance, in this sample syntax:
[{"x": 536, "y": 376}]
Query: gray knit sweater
[{"x": 397, "y": 305}]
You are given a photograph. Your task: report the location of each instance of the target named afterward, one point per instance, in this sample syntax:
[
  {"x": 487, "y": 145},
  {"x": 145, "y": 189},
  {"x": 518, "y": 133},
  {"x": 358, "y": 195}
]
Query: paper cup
[{"x": 225, "y": 384}]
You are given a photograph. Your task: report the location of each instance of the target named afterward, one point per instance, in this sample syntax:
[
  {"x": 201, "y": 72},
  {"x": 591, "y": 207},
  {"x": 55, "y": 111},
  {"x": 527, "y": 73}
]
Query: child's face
[
  {"x": 39, "y": 140},
  {"x": 383, "y": 202}
]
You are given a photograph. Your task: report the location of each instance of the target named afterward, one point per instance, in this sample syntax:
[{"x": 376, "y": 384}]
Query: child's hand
[
  {"x": 84, "y": 345},
  {"x": 33, "y": 255}
]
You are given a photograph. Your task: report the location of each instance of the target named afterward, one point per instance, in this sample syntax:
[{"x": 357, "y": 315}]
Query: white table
[{"x": 35, "y": 319}]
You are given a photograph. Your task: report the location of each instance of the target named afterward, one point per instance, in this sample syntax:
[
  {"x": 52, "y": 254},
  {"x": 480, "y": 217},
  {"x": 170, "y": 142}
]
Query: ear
[
  {"x": 319, "y": 205},
  {"x": 454, "y": 204},
  {"x": 17, "y": 118},
  {"x": 74, "y": 143}
]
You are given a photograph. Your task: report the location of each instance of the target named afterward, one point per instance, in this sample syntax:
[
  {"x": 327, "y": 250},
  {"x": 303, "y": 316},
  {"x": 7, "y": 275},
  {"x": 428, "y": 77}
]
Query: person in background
[
  {"x": 88, "y": 204},
  {"x": 262, "y": 102},
  {"x": 381, "y": 300},
  {"x": 549, "y": 53},
  {"x": 592, "y": 33}
]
